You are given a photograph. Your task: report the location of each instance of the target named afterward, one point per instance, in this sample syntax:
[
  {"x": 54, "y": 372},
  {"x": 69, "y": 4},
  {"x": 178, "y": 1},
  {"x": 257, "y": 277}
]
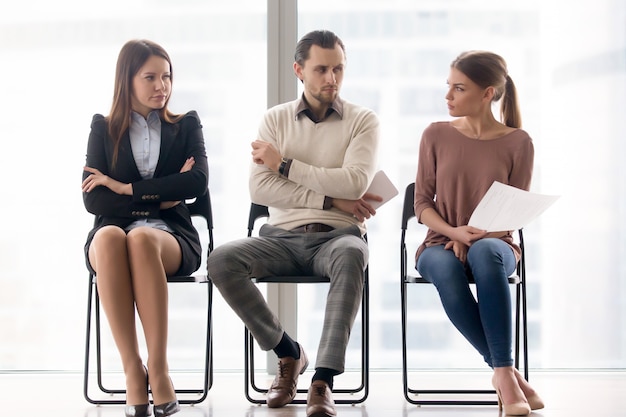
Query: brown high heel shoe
[
  {"x": 534, "y": 400},
  {"x": 519, "y": 408}
]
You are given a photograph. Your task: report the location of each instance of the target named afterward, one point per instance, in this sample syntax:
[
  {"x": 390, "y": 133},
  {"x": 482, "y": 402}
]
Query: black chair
[
  {"x": 521, "y": 325},
  {"x": 200, "y": 207},
  {"x": 257, "y": 212}
]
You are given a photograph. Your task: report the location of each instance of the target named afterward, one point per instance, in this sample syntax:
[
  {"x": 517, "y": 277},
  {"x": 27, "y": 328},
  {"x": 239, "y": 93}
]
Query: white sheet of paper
[
  {"x": 382, "y": 186},
  {"x": 508, "y": 208}
]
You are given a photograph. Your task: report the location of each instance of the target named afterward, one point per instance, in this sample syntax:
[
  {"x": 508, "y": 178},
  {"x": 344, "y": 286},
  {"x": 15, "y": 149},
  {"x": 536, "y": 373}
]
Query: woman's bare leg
[
  {"x": 109, "y": 258},
  {"x": 153, "y": 254}
]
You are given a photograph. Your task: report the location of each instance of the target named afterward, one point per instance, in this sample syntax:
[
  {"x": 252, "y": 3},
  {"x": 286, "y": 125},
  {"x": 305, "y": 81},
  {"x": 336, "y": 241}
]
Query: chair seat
[
  {"x": 200, "y": 279},
  {"x": 257, "y": 212},
  {"x": 302, "y": 279},
  {"x": 201, "y": 207},
  {"x": 520, "y": 332},
  {"x": 411, "y": 279}
]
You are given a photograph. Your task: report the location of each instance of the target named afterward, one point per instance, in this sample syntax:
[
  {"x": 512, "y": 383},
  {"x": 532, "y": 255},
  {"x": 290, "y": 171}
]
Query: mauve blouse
[{"x": 454, "y": 172}]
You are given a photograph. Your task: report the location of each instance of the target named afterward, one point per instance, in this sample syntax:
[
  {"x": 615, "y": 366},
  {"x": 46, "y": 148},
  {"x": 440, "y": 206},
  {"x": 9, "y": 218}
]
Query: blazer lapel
[
  {"x": 126, "y": 158},
  {"x": 168, "y": 135}
]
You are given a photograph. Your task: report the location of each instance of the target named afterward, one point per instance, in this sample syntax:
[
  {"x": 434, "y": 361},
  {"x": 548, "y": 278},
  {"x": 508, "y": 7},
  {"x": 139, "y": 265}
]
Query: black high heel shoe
[
  {"x": 140, "y": 410},
  {"x": 168, "y": 408}
]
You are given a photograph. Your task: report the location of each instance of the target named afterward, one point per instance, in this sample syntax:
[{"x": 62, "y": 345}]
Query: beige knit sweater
[{"x": 335, "y": 158}]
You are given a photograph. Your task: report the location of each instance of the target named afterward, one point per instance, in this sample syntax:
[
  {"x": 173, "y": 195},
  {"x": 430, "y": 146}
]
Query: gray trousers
[{"x": 341, "y": 254}]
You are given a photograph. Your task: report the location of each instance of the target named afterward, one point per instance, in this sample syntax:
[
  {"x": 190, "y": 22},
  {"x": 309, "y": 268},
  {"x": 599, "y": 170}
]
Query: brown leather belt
[{"x": 313, "y": 228}]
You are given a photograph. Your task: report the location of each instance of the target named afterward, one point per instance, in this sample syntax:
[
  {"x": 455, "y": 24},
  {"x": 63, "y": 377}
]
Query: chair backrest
[
  {"x": 257, "y": 211},
  {"x": 408, "y": 213},
  {"x": 201, "y": 207},
  {"x": 408, "y": 210}
]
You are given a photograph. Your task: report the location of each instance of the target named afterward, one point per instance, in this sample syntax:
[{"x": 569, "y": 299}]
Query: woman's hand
[
  {"x": 462, "y": 238},
  {"x": 168, "y": 204},
  {"x": 459, "y": 249},
  {"x": 97, "y": 178},
  {"x": 467, "y": 234},
  {"x": 498, "y": 235},
  {"x": 189, "y": 163}
]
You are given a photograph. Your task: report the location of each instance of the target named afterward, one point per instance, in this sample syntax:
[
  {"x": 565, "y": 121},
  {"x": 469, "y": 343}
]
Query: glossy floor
[{"x": 567, "y": 394}]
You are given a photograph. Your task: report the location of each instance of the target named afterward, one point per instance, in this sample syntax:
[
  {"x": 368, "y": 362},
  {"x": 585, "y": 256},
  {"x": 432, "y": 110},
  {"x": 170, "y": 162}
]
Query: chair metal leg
[
  {"x": 93, "y": 296},
  {"x": 87, "y": 346},
  {"x": 520, "y": 321},
  {"x": 363, "y": 388},
  {"x": 524, "y": 328},
  {"x": 208, "y": 357}
]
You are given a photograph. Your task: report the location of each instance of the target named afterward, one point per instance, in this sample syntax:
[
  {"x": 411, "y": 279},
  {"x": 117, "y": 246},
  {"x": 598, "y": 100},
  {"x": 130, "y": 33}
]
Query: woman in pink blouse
[{"x": 458, "y": 162}]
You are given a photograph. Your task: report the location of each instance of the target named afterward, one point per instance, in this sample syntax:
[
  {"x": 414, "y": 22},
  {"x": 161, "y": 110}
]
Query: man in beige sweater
[{"x": 313, "y": 162}]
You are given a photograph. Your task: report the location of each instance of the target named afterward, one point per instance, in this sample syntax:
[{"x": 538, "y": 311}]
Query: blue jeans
[{"x": 486, "y": 323}]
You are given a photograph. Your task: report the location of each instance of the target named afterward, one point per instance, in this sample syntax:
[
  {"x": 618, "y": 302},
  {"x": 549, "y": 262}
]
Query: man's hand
[
  {"x": 360, "y": 208},
  {"x": 264, "y": 153}
]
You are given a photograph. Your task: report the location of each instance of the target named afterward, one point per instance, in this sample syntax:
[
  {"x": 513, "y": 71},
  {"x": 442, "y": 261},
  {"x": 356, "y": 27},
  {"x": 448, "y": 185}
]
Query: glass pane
[
  {"x": 569, "y": 83},
  {"x": 58, "y": 66}
]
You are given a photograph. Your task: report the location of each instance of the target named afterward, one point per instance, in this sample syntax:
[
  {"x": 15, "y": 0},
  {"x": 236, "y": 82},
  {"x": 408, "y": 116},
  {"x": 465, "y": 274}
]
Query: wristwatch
[{"x": 281, "y": 167}]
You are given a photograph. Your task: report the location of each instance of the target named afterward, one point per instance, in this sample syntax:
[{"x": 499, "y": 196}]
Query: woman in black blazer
[{"x": 143, "y": 162}]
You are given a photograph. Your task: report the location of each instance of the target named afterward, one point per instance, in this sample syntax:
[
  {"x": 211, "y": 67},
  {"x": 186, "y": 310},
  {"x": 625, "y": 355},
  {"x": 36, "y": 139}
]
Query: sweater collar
[{"x": 303, "y": 107}]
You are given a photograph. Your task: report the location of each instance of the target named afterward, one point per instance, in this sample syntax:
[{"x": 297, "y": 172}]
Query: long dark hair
[
  {"x": 487, "y": 69},
  {"x": 131, "y": 58}
]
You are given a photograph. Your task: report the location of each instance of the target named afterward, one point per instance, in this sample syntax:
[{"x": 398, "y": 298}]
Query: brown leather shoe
[
  {"x": 285, "y": 385},
  {"x": 319, "y": 401}
]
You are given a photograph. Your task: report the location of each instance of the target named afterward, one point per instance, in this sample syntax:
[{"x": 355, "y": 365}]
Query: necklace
[
  {"x": 467, "y": 131},
  {"x": 485, "y": 132},
  {"x": 482, "y": 134}
]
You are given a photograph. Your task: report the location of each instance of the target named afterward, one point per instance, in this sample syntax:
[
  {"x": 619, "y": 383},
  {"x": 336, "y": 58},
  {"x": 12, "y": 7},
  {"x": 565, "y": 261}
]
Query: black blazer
[{"x": 179, "y": 141}]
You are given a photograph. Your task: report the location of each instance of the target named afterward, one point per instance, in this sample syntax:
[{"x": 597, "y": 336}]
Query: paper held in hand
[
  {"x": 382, "y": 186},
  {"x": 508, "y": 208}
]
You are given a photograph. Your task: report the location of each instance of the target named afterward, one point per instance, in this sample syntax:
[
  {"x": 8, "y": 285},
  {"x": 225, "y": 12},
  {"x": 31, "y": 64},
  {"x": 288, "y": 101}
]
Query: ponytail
[{"x": 509, "y": 109}]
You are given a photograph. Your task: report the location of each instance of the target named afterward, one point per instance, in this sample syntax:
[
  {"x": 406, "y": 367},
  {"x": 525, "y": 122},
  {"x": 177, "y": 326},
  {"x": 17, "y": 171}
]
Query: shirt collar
[
  {"x": 303, "y": 107},
  {"x": 153, "y": 116}
]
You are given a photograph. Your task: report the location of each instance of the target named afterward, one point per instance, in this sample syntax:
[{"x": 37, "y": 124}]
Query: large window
[
  {"x": 569, "y": 81},
  {"x": 58, "y": 68}
]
